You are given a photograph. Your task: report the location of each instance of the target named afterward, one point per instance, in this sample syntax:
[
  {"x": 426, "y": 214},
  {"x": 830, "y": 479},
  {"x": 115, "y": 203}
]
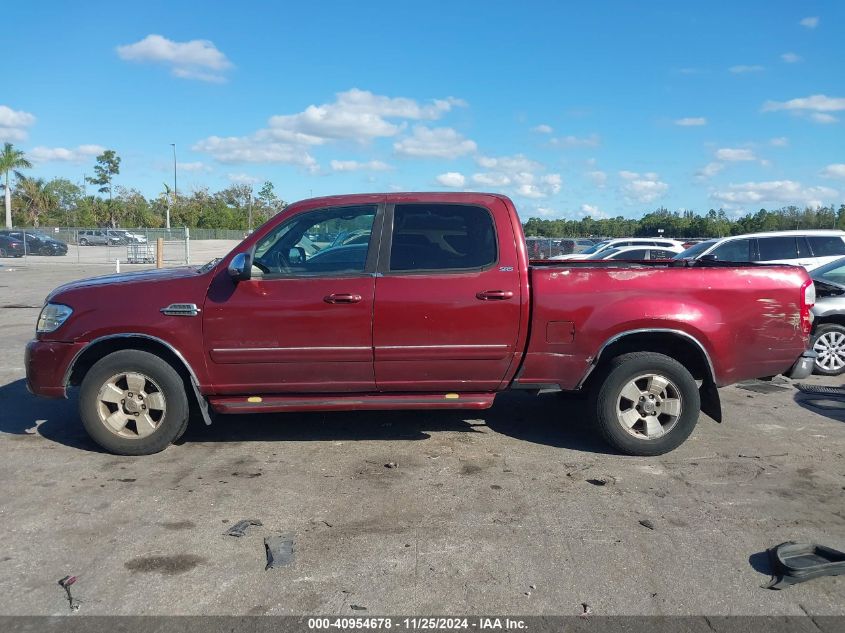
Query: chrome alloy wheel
[
  {"x": 131, "y": 405},
  {"x": 648, "y": 406},
  {"x": 830, "y": 347}
]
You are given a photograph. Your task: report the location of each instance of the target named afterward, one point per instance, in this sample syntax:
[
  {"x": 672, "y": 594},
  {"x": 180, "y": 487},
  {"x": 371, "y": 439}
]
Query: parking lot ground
[{"x": 515, "y": 510}]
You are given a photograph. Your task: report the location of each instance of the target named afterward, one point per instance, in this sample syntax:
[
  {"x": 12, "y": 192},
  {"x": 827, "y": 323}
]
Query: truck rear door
[{"x": 447, "y": 300}]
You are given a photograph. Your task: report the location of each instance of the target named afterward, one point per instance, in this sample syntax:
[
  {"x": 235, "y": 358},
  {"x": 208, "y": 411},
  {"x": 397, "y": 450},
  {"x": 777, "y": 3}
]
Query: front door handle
[
  {"x": 342, "y": 297},
  {"x": 494, "y": 295}
]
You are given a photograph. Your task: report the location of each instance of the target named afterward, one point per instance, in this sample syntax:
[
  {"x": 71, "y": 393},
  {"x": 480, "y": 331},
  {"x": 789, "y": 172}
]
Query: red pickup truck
[{"x": 413, "y": 301}]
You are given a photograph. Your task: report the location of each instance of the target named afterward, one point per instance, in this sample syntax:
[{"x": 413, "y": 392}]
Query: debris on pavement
[
  {"x": 798, "y": 562},
  {"x": 239, "y": 529},
  {"x": 279, "y": 550},
  {"x": 391, "y": 465},
  {"x": 65, "y": 584},
  {"x": 587, "y": 610},
  {"x": 647, "y": 524},
  {"x": 357, "y": 607}
]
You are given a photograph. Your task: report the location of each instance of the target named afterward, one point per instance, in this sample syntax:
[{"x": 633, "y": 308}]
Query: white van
[
  {"x": 644, "y": 242},
  {"x": 809, "y": 249}
]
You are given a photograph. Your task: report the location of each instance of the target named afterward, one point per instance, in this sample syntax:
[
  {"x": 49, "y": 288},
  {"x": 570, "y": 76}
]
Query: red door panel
[{"x": 282, "y": 335}]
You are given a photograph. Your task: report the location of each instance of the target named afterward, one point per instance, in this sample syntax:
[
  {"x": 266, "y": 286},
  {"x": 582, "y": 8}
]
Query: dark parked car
[
  {"x": 38, "y": 243},
  {"x": 10, "y": 247}
]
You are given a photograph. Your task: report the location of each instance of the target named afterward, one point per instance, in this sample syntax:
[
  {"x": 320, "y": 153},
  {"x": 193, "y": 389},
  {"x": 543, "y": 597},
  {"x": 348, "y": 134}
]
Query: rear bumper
[
  {"x": 47, "y": 364},
  {"x": 803, "y": 367}
]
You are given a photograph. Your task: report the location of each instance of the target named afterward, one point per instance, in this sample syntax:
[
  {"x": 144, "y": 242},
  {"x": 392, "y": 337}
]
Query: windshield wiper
[{"x": 208, "y": 266}]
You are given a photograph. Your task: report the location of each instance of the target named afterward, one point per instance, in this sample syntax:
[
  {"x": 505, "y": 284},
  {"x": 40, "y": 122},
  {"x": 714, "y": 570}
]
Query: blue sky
[{"x": 572, "y": 109}]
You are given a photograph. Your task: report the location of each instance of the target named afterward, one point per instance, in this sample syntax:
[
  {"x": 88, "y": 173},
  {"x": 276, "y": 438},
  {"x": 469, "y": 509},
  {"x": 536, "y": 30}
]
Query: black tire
[
  {"x": 824, "y": 332},
  {"x": 172, "y": 423},
  {"x": 2, "y": 252},
  {"x": 83, "y": 242},
  {"x": 606, "y": 398},
  {"x": 45, "y": 250}
]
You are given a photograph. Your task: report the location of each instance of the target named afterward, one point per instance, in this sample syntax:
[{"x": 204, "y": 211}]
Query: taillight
[{"x": 808, "y": 300}]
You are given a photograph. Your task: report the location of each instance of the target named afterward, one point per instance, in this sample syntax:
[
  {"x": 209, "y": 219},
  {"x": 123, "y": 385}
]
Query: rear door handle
[
  {"x": 494, "y": 295},
  {"x": 342, "y": 297}
]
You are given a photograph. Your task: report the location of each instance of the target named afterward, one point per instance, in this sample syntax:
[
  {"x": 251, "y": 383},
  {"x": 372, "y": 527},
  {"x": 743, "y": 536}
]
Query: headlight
[{"x": 51, "y": 318}]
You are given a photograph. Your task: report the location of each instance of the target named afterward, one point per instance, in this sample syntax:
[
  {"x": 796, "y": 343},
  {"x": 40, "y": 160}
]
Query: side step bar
[{"x": 350, "y": 402}]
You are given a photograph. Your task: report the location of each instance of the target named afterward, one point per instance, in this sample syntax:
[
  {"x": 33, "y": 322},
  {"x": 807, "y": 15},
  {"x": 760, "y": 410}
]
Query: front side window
[
  {"x": 733, "y": 251},
  {"x": 774, "y": 248},
  {"x": 309, "y": 243},
  {"x": 441, "y": 237}
]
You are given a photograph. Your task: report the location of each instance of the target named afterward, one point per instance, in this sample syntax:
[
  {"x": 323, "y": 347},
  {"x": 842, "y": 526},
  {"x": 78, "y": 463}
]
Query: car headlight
[{"x": 52, "y": 316}]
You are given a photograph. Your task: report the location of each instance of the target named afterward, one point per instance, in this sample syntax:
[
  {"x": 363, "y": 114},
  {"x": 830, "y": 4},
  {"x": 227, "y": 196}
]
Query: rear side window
[
  {"x": 733, "y": 251},
  {"x": 774, "y": 248},
  {"x": 826, "y": 245},
  {"x": 441, "y": 237}
]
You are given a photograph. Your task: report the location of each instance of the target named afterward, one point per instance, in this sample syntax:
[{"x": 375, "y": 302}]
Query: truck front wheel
[
  {"x": 647, "y": 403},
  {"x": 133, "y": 403}
]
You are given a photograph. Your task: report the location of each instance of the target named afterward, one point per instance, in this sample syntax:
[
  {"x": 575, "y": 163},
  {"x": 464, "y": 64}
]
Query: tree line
[
  {"x": 36, "y": 202},
  {"x": 32, "y": 201}
]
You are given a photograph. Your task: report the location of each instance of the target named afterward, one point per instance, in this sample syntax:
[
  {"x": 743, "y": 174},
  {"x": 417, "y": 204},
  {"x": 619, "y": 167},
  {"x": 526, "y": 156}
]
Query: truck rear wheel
[
  {"x": 647, "y": 404},
  {"x": 133, "y": 403}
]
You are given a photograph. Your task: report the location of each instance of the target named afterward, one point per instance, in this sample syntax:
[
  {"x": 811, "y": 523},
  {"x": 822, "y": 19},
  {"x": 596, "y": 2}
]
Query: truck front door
[{"x": 303, "y": 322}]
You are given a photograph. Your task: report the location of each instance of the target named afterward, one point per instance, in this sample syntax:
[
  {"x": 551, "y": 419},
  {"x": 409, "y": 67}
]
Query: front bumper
[
  {"x": 47, "y": 364},
  {"x": 803, "y": 367}
]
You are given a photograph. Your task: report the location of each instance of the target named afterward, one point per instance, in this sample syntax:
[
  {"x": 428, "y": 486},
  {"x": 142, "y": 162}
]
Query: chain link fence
[{"x": 95, "y": 245}]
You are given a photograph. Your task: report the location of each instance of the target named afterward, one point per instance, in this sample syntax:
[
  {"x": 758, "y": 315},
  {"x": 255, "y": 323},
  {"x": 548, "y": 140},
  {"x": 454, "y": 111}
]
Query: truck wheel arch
[
  {"x": 101, "y": 347},
  {"x": 677, "y": 344}
]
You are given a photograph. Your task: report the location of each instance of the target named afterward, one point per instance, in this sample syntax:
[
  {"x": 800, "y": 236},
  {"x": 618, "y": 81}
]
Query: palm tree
[
  {"x": 11, "y": 159},
  {"x": 37, "y": 197}
]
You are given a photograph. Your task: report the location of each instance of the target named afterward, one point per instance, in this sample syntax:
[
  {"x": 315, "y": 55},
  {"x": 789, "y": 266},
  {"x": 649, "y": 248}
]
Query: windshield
[
  {"x": 834, "y": 272},
  {"x": 595, "y": 248},
  {"x": 604, "y": 254},
  {"x": 694, "y": 251}
]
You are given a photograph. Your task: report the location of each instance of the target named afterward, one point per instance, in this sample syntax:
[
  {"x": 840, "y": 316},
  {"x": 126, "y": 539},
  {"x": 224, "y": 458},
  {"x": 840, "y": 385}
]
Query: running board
[{"x": 350, "y": 402}]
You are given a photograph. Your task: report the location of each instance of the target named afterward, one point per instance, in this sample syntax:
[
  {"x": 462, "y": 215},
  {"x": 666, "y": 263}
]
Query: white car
[
  {"x": 643, "y": 242},
  {"x": 635, "y": 253},
  {"x": 809, "y": 249}
]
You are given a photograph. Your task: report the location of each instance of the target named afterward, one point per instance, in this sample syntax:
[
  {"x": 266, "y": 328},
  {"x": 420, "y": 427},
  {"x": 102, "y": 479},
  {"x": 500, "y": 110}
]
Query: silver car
[{"x": 828, "y": 338}]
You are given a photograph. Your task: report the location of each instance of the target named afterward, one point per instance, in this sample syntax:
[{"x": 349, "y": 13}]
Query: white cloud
[
  {"x": 592, "y": 210},
  {"x": 254, "y": 149},
  {"x": 439, "y": 142},
  {"x": 193, "y": 166},
  {"x": 791, "y": 58},
  {"x": 809, "y": 22},
  {"x": 62, "y": 154},
  {"x": 734, "y": 154},
  {"x": 774, "y": 191},
  {"x": 452, "y": 179},
  {"x": 598, "y": 177},
  {"x": 593, "y": 140},
  {"x": 195, "y": 59},
  {"x": 836, "y": 170},
  {"x": 243, "y": 179},
  {"x": 543, "y": 129},
  {"x": 357, "y": 115},
  {"x": 14, "y": 124},
  {"x": 525, "y": 177},
  {"x": 709, "y": 170},
  {"x": 691, "y": 121},
  {"x": 745, "y": 68},
  {"x": 642, "y": 188},
  {"x": 815, "y": 107},
  {"x": 780, "y": 141},
  {"x": 354, "y": 165}
]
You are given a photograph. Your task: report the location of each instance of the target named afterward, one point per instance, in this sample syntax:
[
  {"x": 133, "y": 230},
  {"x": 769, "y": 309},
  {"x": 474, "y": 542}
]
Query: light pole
[{"x": 167, "y": 223}]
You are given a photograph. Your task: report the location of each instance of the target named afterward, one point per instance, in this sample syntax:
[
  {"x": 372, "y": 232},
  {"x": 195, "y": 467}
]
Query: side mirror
[{"x": 240, "y": 268}]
